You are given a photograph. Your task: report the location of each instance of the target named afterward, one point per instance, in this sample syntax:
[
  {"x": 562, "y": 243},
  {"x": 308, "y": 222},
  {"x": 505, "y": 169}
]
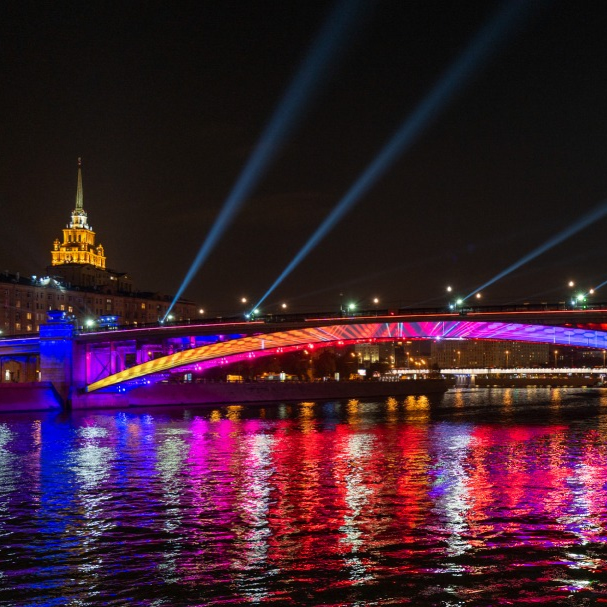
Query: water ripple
[{"x": 482, "y": 498}]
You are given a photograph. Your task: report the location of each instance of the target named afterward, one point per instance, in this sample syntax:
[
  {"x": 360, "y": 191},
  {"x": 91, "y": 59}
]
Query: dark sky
[{"x": 164, "y": 102}]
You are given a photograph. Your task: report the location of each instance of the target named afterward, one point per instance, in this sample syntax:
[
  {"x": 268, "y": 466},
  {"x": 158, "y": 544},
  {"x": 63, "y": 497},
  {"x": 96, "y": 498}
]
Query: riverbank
[{"x": 32, "y": 396}]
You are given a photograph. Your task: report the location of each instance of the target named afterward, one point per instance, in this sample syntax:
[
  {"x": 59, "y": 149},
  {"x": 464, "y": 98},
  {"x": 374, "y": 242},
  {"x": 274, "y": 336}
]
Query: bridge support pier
[{"x": 57, "y": 355}]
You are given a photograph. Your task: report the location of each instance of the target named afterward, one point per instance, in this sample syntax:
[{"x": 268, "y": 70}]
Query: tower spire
[
  {"x": 79, "y": 197},
  {"x": 78, "y": 246}
]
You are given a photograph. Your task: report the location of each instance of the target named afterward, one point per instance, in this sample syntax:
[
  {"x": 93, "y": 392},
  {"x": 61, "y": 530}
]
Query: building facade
[
  {"x": 78, "y": 283},
  {"x": 487, "y": 353}
]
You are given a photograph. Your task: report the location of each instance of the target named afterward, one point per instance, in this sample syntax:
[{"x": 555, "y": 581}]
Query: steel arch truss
[{"x": 269, "y": 343}]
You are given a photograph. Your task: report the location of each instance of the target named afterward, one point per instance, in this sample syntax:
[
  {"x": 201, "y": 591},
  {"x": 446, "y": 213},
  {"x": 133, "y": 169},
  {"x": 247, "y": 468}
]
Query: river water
[{"x": 481, "y": 497}]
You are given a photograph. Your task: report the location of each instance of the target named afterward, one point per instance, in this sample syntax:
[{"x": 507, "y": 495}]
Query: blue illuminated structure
[{"x": 56, "y": 352}]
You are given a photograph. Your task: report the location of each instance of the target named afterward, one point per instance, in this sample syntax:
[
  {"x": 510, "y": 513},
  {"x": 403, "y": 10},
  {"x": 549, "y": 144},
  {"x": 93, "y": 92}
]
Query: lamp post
[
  {"x": 555, "y": 355},
  {"x": 507, "y": 358},
  {"x": 572, "y": 298}
]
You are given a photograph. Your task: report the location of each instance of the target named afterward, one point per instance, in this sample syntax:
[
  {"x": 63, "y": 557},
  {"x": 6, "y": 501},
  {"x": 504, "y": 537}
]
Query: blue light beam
[
  {"x": 473, "y": 58},
  {"x": 600, "y": 285},
  {"x": 597, "y": 213},
  {"x": 321, "y": 57}
]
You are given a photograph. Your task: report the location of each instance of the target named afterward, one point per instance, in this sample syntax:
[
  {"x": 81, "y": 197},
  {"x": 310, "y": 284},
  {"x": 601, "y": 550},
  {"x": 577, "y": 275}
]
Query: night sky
[{"x": 164, "y": 102}]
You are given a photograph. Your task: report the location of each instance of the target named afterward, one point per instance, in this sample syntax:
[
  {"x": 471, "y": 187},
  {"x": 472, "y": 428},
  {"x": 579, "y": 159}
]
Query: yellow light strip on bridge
[{"x": 220, "y": 349}]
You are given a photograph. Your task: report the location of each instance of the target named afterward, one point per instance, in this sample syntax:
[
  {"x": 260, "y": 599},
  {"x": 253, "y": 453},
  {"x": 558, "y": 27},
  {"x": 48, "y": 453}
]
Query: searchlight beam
[
  {"x": 317, "y": 65},
  {"x": 473, "y": 58},
  {"x": 597, "y": 213}
]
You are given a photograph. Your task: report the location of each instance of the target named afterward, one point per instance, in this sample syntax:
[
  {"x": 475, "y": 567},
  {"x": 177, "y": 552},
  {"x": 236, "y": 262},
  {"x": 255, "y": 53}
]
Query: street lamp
[
  {"x": 555, "y": 355},
  {"x": 604, "y": 352},
  {"x": 507, "y": 358}
]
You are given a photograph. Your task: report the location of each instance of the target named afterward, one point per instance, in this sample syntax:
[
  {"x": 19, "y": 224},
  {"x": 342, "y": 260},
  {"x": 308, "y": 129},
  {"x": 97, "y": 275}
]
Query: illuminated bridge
[{"x": 118, "y": 359}]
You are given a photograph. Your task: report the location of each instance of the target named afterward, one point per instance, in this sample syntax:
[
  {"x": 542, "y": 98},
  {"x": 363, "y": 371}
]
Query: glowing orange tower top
[{"x": 78, "y": 246}]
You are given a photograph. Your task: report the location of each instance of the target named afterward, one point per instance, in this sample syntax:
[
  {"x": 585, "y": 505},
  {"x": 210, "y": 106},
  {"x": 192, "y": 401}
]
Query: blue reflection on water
[{"x": 485, "y": 496}]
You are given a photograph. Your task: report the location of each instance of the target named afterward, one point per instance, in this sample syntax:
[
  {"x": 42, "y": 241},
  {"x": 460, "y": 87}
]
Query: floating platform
[{"x": 218, "y": 393}]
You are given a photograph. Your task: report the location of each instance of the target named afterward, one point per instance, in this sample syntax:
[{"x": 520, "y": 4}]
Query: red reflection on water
[{"x": 268, "y": 507}]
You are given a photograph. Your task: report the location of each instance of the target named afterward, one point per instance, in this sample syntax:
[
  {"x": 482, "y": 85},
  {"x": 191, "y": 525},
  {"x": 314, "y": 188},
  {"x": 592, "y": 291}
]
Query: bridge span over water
[{"x": 121, "y": 357}]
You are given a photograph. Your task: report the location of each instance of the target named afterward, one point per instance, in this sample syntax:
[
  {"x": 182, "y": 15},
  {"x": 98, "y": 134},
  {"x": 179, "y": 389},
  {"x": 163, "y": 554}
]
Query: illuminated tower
[{"x": 78, "y": 246}]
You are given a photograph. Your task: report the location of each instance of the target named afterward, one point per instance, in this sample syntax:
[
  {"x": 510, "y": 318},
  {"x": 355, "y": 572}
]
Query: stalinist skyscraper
[
  {"x": 78, "y": 260},
  {"x": 78, "y": 244},
  {"x": 79, "y": 283}
]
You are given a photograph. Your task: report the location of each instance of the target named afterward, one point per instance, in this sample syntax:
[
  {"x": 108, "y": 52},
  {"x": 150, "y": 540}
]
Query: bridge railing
[{"x": 273, "y": 318}]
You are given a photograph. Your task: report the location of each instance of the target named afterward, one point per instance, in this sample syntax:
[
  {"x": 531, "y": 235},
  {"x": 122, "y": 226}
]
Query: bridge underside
[{"x": 224, "y": 352}]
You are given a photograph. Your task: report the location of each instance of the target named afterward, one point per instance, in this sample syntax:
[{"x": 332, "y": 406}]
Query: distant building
[
  {"x": 368, "y": 353},
  {"x": 79, "y": 283},
  {"x": 487, "y": 353}
]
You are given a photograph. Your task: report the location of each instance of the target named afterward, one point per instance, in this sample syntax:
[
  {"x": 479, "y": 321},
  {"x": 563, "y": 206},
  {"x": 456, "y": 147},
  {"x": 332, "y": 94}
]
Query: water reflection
[
  {"x": 356, "y": 455},
  {"x": 252, "y": 531},
  {"x": 484, "y": 497},
  {"x": 450, "y": 489},
  {"x": 9, "y": 477}
]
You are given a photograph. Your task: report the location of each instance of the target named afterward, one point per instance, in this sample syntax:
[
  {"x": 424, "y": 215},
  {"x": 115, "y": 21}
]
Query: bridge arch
[{"x": 271, "y": 342}]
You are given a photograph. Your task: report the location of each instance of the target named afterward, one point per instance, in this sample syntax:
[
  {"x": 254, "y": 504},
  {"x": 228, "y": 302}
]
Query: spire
[{"x": 79, "y": 191}]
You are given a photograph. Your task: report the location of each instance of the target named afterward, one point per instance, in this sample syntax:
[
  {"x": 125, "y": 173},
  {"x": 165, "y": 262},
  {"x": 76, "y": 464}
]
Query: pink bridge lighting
[{"x": 264, "y": 344}]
